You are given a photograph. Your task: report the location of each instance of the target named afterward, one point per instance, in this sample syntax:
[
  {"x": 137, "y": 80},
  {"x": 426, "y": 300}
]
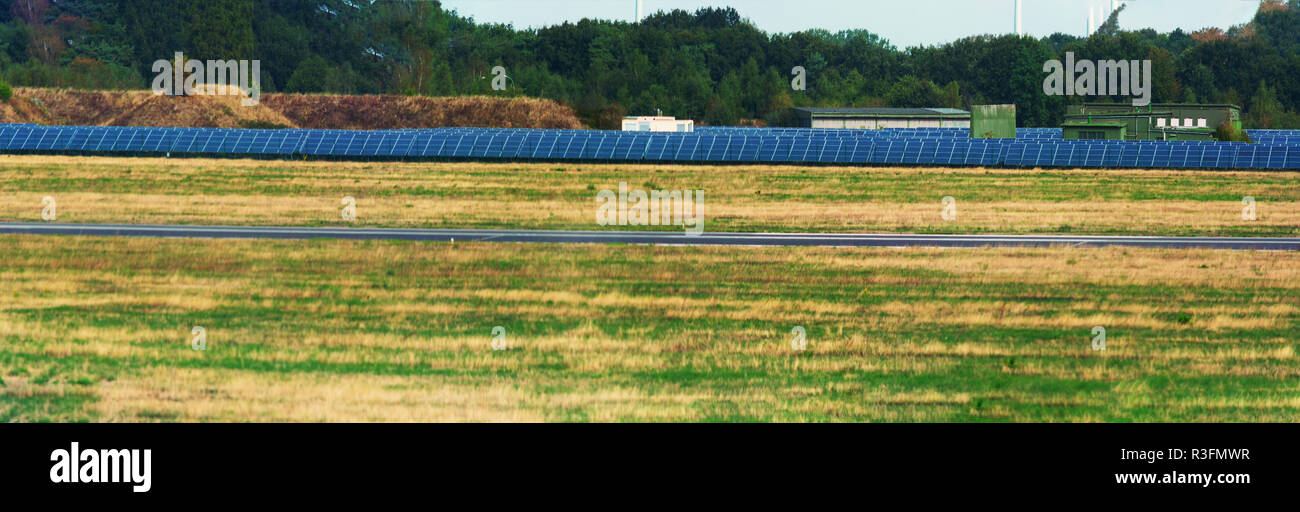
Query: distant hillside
[{"x": 143, "y": 108}]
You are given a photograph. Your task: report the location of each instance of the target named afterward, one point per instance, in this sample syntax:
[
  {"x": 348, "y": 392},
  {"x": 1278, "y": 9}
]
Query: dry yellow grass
[{"x": 751, "y": 198}]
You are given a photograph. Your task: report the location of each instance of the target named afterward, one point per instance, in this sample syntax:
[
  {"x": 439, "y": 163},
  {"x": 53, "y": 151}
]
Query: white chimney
[
  {"x": 1020, "y": 30},
  {"x": 638, "y": 11},
  {"x": 1092, "y": 21}
]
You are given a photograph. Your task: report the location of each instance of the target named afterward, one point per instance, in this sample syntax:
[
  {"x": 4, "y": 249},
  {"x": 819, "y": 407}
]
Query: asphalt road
[{"x": 643, "y": 237}]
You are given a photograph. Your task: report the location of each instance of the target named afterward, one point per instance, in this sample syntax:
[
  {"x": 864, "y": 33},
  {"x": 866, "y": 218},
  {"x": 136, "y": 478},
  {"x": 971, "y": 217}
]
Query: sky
[{"x": 904, "y": 23}]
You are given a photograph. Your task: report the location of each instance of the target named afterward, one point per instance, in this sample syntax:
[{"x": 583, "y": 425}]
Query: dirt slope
[
  {"x": 371, "y": 112},
  {"x": 143, "y": 108}
]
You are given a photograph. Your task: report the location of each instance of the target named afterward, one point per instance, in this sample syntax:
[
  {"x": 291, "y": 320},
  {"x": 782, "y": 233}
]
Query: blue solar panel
[
  {"x": 672, "y": 146},
  {"x": 886, "y": 154},
  {"x": 1214, "y": 157},
  {"x": 546, "y": 147},
  {"x": 1244, "y": 157},
  {"x": 1292, "y": 157},
  {"x": 749, "y": 149},
  {"x": 933, "y": 146},
  {"x": 782, "y": 150},
  {"x": 1276, "y": 157},
  {"x": 1128, "y": 156},
  {"x": 686, "y": 148},
  {"x": 1112, "y": 155},
  {"x": 1015, "y": 155},
  {"x": 798, "y": 148}
]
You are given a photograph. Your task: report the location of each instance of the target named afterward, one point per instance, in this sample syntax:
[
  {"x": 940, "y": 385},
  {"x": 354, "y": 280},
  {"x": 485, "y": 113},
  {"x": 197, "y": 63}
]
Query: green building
[
  {"x": 1099, "y": 130},
  {"x": 1158, "y": 121},
  {"x": 993, "y": 122},
  {"x": 877, "y": 118}
]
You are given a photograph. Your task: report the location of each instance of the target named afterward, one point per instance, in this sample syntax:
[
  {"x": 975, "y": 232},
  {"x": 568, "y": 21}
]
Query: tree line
[{"x": 711, "y": 65}]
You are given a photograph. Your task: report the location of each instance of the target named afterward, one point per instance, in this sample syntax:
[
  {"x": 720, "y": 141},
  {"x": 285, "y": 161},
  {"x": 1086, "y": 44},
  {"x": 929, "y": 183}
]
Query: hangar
[{"x": 876, "y": 118}]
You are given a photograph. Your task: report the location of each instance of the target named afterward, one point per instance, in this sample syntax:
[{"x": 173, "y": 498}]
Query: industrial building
[
  {"x": 1159, "y": 121},
  {"x": 877, "y": 118},
  {"x": 658, "y": 124},
  {"x": 993, "y": 122}
]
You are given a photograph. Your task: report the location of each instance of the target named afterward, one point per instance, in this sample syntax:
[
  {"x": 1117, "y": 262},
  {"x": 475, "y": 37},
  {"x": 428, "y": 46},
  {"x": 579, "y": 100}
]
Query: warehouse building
[
  {"x": 1160, "y": 121},
  {"x": 877, "y": 118}
]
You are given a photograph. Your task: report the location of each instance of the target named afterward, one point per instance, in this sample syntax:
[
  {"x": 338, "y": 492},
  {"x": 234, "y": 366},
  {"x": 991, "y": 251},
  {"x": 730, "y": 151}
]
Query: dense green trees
[{"x": 711, "y": 65}]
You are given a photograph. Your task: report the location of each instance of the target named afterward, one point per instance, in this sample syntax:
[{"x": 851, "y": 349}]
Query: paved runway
[{"x": 643, "y": 237}]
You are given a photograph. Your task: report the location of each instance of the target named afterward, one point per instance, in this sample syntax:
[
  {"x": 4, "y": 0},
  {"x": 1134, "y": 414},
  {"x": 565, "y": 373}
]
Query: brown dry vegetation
[
  {"x": 372, "y": 112},
  {"x": 559, "y": 196},
  {"x": 143, "y": 108}
]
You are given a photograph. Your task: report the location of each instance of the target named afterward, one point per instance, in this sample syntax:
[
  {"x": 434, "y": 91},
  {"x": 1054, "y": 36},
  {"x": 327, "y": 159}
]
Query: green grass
[{"x": 97, "y": 329}]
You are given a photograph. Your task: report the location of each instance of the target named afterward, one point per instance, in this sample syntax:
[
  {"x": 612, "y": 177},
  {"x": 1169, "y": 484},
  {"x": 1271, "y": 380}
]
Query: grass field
[
  {"x": 562, "y": 196},
  {"x": 99, "y": 328}
]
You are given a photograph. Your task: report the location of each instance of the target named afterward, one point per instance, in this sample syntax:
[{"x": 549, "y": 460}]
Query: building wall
[
  {"x": 1110, "y": 132},
  {"x": 863, "y": 123},
  {"x": 658, "y": 125},
  {"x": 993, "y": 122}
]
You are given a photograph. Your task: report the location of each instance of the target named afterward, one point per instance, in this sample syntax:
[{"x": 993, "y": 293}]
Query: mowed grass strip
[
  {"x": 99, "y": 329},
  {"x": 563, "y": 196}
]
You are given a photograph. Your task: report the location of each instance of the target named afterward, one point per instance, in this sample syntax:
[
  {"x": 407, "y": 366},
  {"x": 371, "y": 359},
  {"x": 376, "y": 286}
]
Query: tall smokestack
[
  {"x": 1020, "y": 29},
  {"x": 638, "y": 11},
  {"x": 1092, "y": 21}
]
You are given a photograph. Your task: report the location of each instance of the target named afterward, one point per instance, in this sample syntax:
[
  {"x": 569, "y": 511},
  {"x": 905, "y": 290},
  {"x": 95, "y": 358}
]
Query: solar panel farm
[{"x": 1033, "y": 147}]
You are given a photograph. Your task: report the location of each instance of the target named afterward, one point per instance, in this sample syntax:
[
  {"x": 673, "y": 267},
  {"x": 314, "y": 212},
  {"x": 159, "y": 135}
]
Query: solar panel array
[{"x": 935, "y": 146}]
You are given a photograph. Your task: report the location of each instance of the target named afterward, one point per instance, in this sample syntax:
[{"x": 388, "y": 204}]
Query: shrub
[
  {"x": 1228, "y": 132},
  {"x": 262, "y": 125},
  {"x": 6, "y": 92}
]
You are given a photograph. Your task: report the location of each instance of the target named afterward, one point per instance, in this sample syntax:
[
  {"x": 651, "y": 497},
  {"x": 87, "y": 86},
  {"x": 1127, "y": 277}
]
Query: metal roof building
[{"x": 876, "y": 118}]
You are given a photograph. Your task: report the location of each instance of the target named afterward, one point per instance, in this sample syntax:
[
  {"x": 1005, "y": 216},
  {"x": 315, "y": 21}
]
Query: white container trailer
[{"x": 658, "y": 124}]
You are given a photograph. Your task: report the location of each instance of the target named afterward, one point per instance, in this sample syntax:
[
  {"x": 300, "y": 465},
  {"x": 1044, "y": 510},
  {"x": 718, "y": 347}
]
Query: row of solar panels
[
  {"x": 606, "y": 145},
  {"x": 1023, "y": 133},
  {"x": 1277, "y": 140},
  {"x": 1206, "y": 155},
  {"x": 1268, "y": 137}
]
